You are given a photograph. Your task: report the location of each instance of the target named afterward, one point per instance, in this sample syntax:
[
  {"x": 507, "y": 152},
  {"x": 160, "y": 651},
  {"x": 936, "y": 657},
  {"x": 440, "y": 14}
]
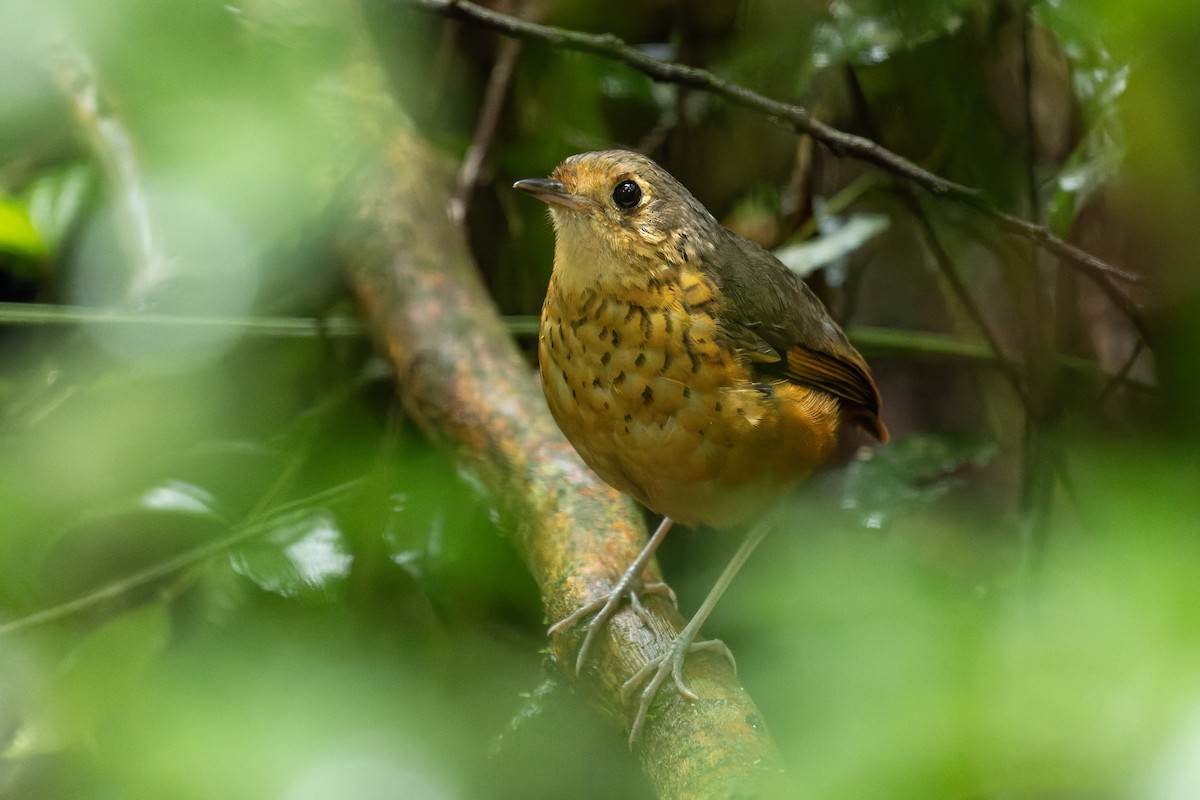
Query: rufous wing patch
[{"x": 846, "y": 379}]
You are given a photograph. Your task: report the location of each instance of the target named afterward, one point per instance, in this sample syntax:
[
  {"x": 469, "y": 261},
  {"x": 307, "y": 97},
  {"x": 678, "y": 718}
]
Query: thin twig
[
  {"x": 485, "y": 128},
  {"x": 1046, "y": 320},
  {"x": 1026, "y": 33},
  {"x": 933, "y": 244},
  {"x": 963, "y": 294},
  {"x": 48, "y": 314},
  {"x": 917, "y": 345},
  {"x": 1122, "y": 375},
  {"x": 795, "y": 116},
  {"x": 883, "y": 342},
  {"x": 254, "y": 526}
]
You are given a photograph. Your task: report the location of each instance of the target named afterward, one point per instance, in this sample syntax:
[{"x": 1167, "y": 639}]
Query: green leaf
[
  {"x": 103, "y": 546},
  {"x": 18, "y": 235},
  {"x": 56, "y": 199},
  {"x": 1094, "y": 162},
  {"x": 911, "y": 472},
  {"x": 1098, "y": 81},
  {"x": 619, "y": 82},
  {"x": 304, "y": 551},
  {"x": 103, "y": 671}
]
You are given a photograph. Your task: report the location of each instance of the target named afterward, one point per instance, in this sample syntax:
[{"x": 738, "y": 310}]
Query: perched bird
[{"x": 689, "y": 368}]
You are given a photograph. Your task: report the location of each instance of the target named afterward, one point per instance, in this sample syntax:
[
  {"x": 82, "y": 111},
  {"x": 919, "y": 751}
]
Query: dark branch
[{"x": 794, "y": 116}]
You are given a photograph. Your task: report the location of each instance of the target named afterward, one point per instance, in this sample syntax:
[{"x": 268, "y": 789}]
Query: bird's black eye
[{"x": 627, "y": 194}]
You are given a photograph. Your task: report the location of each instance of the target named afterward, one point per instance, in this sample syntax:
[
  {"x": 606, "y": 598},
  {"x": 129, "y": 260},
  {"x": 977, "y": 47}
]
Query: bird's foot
[
  {"x": 602, "y": 609},
  {"x": 668, "y": 664}
]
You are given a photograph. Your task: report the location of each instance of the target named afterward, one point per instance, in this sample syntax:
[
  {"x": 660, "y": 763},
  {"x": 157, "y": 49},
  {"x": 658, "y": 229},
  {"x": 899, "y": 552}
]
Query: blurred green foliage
[{"x": 230, "y": 567}]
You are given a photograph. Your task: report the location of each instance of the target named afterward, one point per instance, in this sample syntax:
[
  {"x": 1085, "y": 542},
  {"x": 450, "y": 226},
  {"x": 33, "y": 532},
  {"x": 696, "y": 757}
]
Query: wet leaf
[
  {"x": 911, "y": 472},
  {"x": 303, "y": 552},
  {"x": 1097, "y": 81},
  {"x": 1095, "y": 161},
  {"x": 873, "y": 31},
  {"x": 180, "y": 497},
  {"x": 1097, "y": 78},
  {"x": 842, "y": 241}
]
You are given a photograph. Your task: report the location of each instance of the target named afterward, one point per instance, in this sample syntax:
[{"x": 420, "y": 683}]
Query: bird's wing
[{"x": 767, "y": 308}]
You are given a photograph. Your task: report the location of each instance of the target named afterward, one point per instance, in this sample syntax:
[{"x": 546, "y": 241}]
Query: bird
[{"x": 689, "y": 368}]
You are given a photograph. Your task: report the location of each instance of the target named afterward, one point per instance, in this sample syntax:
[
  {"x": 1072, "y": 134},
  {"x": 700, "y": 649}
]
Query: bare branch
[{"x": 485, "y": 128}]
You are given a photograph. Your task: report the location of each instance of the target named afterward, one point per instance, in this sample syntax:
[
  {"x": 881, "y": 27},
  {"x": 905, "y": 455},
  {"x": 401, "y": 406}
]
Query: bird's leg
[
  {"x": 670, "y": 663},
  {"x": 630, "y": 585}
]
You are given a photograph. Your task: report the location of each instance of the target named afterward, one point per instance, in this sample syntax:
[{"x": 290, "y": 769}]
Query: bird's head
[{"x": 618, "y": 216}]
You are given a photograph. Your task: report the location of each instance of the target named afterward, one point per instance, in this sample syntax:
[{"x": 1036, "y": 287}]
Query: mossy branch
[{"x": 462, "y": 379}]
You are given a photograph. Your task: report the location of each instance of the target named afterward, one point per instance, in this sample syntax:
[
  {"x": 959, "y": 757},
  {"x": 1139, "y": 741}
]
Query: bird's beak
[{"x": 550, "y": 191}]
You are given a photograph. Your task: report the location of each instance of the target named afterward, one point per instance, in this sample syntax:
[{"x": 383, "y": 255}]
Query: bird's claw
[
  {"x": 655, "y": 673},
  {"x": 603, "y": 609}
]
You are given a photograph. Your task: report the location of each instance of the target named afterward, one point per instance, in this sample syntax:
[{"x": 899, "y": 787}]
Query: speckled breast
[{"x": 662, "y": 409}]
